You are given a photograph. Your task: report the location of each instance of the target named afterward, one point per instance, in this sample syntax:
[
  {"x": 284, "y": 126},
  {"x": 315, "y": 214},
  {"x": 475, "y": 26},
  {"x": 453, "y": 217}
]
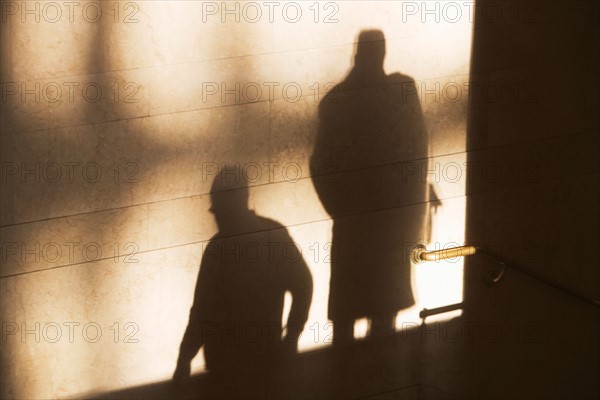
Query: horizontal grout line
[
  {"x": 308, "y": 177},
  {"x": 233, "y": 236},
  {"x": 466, "y": 196},
  {"x": 472, "y": 26},
  {"x": 191, "y": 110},
  {"x": 379, "y": 393},
  {"x": 215, "y": 107},
  {"x": 241, "y": 56}
]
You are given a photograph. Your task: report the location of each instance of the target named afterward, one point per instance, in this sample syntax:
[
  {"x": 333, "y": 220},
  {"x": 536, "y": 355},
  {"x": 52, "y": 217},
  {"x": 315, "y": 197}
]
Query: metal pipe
[
  {"x": 421, "y": 254},
  {"x": 427, "y": 312}
]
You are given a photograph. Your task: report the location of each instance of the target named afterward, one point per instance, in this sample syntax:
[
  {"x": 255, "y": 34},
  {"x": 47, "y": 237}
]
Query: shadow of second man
[{"x": 246, "y": 269}]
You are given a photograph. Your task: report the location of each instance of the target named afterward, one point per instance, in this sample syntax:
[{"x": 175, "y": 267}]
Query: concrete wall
[{"x": 111, "y": 126}]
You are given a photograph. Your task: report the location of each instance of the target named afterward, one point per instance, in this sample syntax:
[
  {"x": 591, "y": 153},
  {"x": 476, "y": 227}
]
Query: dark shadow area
[
  {"x": 246, "y": 269},
  {"x": 550, "y": 347},
  {"x": 366, "y": 369},
  {"x": 370, "y": 149}
]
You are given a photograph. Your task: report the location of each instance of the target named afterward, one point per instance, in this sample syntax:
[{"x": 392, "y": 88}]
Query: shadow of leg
[
  {"x": 382, "y": 325},
  {"x": 343, "y": 332}
]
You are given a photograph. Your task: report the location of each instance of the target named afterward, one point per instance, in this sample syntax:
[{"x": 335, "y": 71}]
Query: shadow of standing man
[{"x": 370, "y": 141}]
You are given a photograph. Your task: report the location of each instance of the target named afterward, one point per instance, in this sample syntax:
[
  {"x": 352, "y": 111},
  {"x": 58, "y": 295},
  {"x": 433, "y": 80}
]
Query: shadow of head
[
  {"x": 370, "y": 50},
  {"x": 229, "y": 197}
]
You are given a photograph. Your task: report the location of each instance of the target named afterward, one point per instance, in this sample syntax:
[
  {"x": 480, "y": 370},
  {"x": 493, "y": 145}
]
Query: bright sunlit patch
[
  {"x": 440, "y": 283},
  {"x": 287, "y": 305},
  {"x": 444, "y": 316},
  {"x": 361, "y": 328}
]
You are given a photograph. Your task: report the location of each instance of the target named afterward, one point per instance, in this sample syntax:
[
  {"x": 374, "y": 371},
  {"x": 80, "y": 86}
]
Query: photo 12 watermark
[
  {"x": 71, "y": 172},
  {"x": 456, "y": 12},
  {"x": 68, "y": 332},
  {"x": 240, "y": 250},
  {"x": 525, "y": 252},
  {"x": 53, "y": 12},
  {"x": 253, "y": 92},
  {"x": 260, "y": 172},
  {"x": 452, "y": 172},
  {"x": 70, "y": 92},
  {"x": 472, "y": 92},
  {"x": 68, "y": 252},
  {"x": 252, "y": 12}
]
